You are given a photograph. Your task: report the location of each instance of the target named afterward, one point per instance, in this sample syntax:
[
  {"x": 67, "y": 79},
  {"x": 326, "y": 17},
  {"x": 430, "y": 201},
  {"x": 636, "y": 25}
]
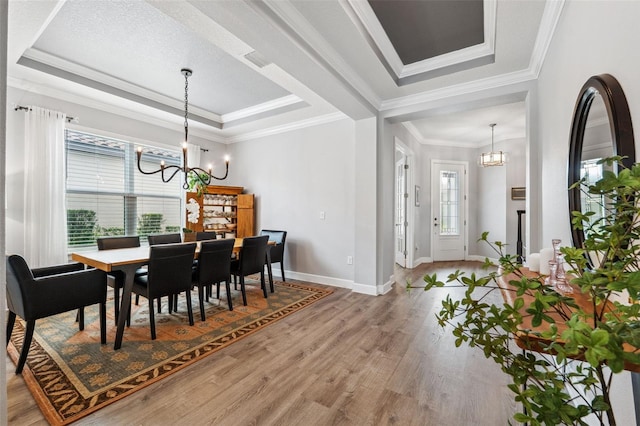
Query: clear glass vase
[{"x": 561, "y": 284}]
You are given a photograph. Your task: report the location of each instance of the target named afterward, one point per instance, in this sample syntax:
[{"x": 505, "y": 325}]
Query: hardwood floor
[{"x": 349, "y": 359}]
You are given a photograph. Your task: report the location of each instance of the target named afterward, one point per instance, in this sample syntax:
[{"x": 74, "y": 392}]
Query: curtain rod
[
  {"x": 27, "y": 109},
  {"x": 69, "y": 119}
]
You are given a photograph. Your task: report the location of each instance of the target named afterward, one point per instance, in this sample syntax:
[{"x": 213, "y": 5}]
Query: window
[
  {"x": 107, "y": 196},
  {"x": 592, "y": 171},
  {"x": 449, "y": 203}
]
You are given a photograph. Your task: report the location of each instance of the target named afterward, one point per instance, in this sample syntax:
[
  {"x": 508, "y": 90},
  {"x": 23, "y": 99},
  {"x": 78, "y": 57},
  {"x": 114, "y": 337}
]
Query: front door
[{"x": 448, "y": 221}]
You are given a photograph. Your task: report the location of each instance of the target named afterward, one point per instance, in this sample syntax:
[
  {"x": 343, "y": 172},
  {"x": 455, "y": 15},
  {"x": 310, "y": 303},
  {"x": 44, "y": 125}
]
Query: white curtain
[
  {"x": 45, "y": 215},
  {"x": 193, "y": 155}
]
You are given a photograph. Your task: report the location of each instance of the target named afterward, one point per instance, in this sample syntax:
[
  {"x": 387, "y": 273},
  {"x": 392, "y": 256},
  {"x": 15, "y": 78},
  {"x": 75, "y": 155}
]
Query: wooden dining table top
[{"x": 107, "y": 260}]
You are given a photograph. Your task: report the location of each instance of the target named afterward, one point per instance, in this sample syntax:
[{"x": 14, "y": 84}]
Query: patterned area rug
[{"x": 70, "y": 374}]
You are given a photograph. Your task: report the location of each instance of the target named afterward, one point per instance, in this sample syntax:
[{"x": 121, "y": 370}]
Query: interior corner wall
[
  {"x": 492, "y": 205},
  {"x": 385, "y": 184},
  {"x": 591, "y": 38},
  {"x": 295, "y": 177},
  {"x": 3, "y": 143}
]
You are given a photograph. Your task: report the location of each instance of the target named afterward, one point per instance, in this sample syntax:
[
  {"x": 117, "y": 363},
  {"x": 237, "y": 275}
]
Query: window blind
[{"x": 108, "y": 196}]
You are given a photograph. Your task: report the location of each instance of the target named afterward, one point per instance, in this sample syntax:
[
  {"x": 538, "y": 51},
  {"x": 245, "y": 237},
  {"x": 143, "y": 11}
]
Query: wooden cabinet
[{"x": 224, "y": 210}]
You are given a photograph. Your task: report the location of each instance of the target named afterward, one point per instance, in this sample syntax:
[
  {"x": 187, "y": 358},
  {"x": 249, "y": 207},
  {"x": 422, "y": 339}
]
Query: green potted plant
[
  {"x": 196, "y": 182},
  {"x": 567, "y": 375}
]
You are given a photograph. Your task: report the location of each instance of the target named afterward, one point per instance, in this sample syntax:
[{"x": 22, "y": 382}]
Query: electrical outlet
[
  {"x": 349, "y": 260},
  {"x": 322, "y": 215}
]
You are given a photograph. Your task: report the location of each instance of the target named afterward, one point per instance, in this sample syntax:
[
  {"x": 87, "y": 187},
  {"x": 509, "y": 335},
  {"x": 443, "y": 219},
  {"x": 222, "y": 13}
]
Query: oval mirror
[{"x": 601, "y": 128}]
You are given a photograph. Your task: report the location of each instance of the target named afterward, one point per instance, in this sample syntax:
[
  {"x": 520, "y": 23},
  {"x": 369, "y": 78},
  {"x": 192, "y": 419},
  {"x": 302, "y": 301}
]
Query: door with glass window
[
  {"x": 448, "y": 221},
  {"x": 401, "y": 212}
]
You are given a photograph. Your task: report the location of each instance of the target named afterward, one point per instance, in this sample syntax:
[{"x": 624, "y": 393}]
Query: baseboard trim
[
  {"x": 318, "y": 279},
  {"x": 482, "y": 259},
  {"x": 365, "y": 289},
  {"x": 419, "y": 261},
  {"x": 386, "y": 287}
]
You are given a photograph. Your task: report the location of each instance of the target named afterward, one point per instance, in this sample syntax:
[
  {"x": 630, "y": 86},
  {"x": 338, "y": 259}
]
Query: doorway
[
  {"x": 449, "y": 210},
  {"x": 404, "y": 200}
]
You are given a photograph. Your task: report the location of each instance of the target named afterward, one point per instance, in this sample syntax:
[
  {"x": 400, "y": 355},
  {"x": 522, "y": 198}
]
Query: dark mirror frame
[{"x": 621, "y": 134}]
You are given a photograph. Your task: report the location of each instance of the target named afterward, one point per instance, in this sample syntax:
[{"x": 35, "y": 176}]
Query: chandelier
[
  {"x": 493, "y": 158},
  {"x": 203, "y": 176}
]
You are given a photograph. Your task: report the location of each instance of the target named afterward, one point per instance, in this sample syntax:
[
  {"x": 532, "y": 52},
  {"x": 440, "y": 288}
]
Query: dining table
[{"x": 129, "y": 260}]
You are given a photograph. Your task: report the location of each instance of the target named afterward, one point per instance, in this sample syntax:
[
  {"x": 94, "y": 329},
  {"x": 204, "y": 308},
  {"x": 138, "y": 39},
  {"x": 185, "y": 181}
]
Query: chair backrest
[
  {"x": 18, "y": 275},
  {"x": 253, "y": 254},
  {"x": 164, "y": 239},
  {"x": 170, "y": 268},
  {"x": 279, "y": 237},
  {"x": 214, "y": 261},
  {"x": 203, "y": 236},
  {"x": 111, "y": 243}
]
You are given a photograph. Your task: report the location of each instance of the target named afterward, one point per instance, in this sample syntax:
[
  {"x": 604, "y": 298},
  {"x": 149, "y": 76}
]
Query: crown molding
[
  {"x": 548, "y": 24},
  {"x": 492, "y": 82},
  {"x": 413, "y": 130},
  {"x": 315, "y": 121},
  {"x": 153, "y": 116},
  {"x": 260, "y": 108}
]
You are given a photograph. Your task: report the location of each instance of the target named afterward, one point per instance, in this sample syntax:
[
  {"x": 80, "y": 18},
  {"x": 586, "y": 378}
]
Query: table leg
[{"x": 125, "y": 304}]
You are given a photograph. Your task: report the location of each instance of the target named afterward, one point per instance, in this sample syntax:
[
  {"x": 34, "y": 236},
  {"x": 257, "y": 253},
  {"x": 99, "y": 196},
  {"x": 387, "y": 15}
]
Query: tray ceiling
[{"x": 263, "y": 65}]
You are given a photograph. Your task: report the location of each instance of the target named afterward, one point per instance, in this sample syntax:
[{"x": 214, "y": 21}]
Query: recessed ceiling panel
[
  {"x": 421, "y": 30},
  {"x": 135, "y": 43}
]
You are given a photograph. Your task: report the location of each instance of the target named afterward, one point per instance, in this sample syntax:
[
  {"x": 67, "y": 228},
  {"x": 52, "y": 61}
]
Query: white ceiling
[{"x": 126, "y": 55}]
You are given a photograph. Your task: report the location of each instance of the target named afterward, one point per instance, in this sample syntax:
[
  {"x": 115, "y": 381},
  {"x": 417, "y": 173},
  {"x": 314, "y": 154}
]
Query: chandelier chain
[{"x": 186, "y": 106}]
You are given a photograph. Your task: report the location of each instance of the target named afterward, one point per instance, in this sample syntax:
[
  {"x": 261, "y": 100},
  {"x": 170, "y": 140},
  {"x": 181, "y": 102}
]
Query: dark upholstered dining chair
[
  {"x": 115, "y": 279},
  {"x": 169, "y": 273},
  {"x": 164, "y": 239},
  {"x": 213, "y": 267},
  {"x": 277, "y": 250},
  {"x": 251, "y": 261},
  {"x": 37, "y": 293},
  {"x": 203, "y": 236},
  {"x": 156, "y": 239}
]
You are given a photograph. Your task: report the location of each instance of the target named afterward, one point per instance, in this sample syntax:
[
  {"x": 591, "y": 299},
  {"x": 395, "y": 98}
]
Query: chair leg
[
  {"x": 187, "y": 294},
  {"x": 201, "y": 291},
  {"x": 10, "y": 323},
  {"x": 160, "y": 305},
  {"x": 244, "y": 293},
  {"x": 218, "y": 290},
  {"x": 103, "y": 323},
  {"x": 152, "y": 319},
  {"x": 28, "y": 336},
  {"x": 175, "y": 301},
  {"x": 282, "y": 270},
  {"x": 228, "y": 285},
  {"x": 263, "y": 283},
  {"x": 137, "y": 299},
  {"x": 81, "y": 318}
]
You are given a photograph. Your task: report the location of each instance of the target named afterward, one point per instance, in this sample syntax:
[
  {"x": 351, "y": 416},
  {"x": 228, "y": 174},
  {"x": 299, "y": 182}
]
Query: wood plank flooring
[{"x": 349, "y": 359}]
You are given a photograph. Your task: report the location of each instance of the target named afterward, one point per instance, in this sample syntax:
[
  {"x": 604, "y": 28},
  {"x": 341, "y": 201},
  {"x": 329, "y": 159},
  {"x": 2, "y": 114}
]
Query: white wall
[
  {"x": 592, "y": 38},
  {"x": 296, "y": 176}
]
